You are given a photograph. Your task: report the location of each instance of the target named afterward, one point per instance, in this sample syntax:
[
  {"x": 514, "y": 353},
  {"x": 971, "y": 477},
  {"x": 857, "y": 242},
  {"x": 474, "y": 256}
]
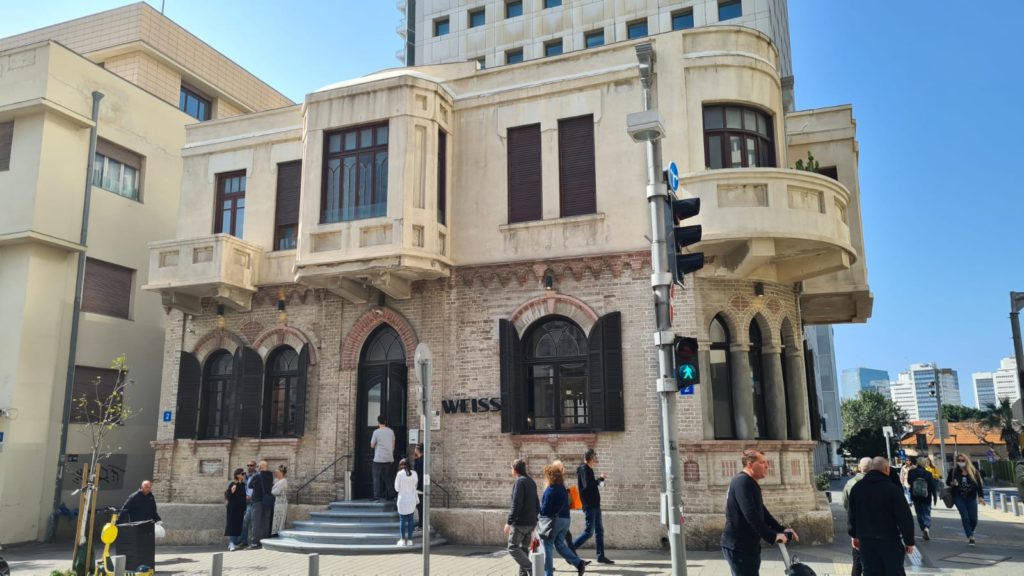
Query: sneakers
[
  {"x": 970, "y": 541},
  {"x": 927, "y": 534},
  {"x": 605, "y": 560},
  {"x": 409, "y": 543},
  {"x": 582, "y": 567},
  {"x": 232, "y": 547}
]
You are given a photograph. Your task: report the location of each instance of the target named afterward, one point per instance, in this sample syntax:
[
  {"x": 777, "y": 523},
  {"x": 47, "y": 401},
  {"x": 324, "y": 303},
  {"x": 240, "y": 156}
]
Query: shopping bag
[{"x": 575, "y": 502}]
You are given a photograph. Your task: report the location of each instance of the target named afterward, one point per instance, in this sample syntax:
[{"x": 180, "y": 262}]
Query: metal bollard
[
  {"x": 992, "y": 499},
  {"x": 217, "y": 564},
  {"x": 1002, "y": 502},
  {"x": 1014, "y": 502},
  {"x": 314, "y": 565},
  {"x": 537, "y": 560},
  {"x": 119, "y": 565}
]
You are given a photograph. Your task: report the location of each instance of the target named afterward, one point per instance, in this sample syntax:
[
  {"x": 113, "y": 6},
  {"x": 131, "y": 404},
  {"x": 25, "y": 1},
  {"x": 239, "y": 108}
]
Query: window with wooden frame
[
  {"x": 355, "y": 174},
  {"x": 6, "y": 144},
  {"x": 216, "y": 403},
  {"x": 192, "y": 103},
  {"x": 285, "y": 393},
  {"x": 524, "y": 174},
  {"x": 230, "y": 208},
  {"x": 116, "y": 169},
  {"x": 738, "y": 137},
  {"x": 442, "y": 176},
  {"x": 107, "y": 289},
  {"x": 577, "y": 183},
  {"x": 91, "y": 394},
  {"x": 286, "y": 209}
]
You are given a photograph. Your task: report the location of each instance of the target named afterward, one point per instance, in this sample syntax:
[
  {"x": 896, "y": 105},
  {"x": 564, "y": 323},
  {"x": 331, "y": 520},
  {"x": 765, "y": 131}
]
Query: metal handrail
[
  {"x": 318, "y": 474},
  {"x": 447, "y": 494}
]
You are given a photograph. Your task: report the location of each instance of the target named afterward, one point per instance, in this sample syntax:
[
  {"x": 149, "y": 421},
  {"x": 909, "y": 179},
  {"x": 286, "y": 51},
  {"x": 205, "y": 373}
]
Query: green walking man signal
[{"x": 687, "y": 367}]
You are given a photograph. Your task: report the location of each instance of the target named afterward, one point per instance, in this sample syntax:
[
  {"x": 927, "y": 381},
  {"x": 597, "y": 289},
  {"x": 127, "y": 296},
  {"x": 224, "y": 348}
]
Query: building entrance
[{"x": 383, "y": 390}]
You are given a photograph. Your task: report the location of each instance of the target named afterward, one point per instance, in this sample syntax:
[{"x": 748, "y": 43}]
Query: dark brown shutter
[
  {"x": 513, "y": 388},
  {"x": 190, "y": 375},
  {"x": 300, "y": 392},
  {"x": 607, "y": 408},
  {"x": 577, "y": 185},
  {"x": 249, "y": 393},
  {"x": 118, "y": 153},
  {"x": 442, "y": 175},
  {"x": 524, "y": 174},
  {"x": 6, "y": 143},
  {"x": 107, "y": 289},
  {"x": 289, "y": 184},
  {"x": 85, "y": 387}
]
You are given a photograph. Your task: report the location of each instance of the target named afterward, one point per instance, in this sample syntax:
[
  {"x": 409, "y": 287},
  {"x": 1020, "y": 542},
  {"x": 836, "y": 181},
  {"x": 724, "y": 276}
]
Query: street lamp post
[{"x": 1016, "y": 303}]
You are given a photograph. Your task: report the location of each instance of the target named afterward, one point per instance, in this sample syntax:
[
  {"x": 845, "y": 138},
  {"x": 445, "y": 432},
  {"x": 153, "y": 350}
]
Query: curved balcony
[
  {"x": 220, "y": 266},
  {"x": 772, "y": 223}
]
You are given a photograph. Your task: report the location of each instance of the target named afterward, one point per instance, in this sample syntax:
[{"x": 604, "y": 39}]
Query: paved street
[{"x": 1000, "y": 552}]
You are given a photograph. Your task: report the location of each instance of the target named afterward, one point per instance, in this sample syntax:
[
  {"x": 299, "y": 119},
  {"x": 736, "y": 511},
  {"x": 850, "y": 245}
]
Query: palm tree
[{"x": 1001, "y": 417}]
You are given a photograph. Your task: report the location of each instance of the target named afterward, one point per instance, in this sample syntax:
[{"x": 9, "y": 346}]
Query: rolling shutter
[
  {"x": 577, "y": 184},
  {"x": 524, "y": 174},
  {"x": 300, "y": 392},
  {"x": 6, "y": 143},
  {"x": 190, "y": 375},
  {"x": 513, "y": 389},
  {"x": 289, "y": 185},
  {"x": 248, "y": 394},
  {"x": 107, "y": 289},
  {"x": 605, "y": 377}
]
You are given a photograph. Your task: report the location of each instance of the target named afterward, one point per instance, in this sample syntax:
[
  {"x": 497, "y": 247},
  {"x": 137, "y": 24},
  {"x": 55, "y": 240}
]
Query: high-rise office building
[
  {"x": 853, "y": 380},
  {"x": 984, "y": 389},
  {"x": 1007, "y": 384},
  {"x": 820, "y": 341},
  {"x": 916, "y": 390}
]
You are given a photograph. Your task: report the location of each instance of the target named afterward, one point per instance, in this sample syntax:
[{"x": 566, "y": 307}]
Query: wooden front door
[{"x": 383, "y": 390}]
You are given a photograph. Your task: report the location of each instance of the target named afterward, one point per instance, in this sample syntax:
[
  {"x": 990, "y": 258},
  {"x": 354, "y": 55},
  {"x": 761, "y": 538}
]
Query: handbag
[
  {"x": 575, "y": 502},
  {"x": 545, "y": 527},
  {"x": 947, "y": 496}
]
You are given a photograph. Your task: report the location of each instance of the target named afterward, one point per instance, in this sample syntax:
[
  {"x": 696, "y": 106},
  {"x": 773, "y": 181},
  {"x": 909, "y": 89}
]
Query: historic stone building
[{"x": 499, "y": 215}]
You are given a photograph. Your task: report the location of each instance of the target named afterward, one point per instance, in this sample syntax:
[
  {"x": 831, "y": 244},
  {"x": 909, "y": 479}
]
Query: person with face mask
[{"x": 968, "y": 492}]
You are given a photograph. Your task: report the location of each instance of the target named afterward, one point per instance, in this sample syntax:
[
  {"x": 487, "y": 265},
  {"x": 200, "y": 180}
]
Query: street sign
[
  {"x": 167, "y": 416},
  {"x": 903, "y": 454},
  {"x": 991, "y": 457},
  {"x": 673, "y": 176},
  {"x": 887, "y": 430},
  {"x": 686, "y": 390}
]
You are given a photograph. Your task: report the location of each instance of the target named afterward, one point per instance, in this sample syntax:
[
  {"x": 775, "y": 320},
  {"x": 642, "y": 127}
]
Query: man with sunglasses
[{"x": 250, "y": 473}]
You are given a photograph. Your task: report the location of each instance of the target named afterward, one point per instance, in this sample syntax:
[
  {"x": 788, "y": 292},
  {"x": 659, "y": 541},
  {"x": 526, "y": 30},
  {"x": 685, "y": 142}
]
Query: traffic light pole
[
  {"x": 939, "y": 418},
  {"x": 661, "y": 283}
]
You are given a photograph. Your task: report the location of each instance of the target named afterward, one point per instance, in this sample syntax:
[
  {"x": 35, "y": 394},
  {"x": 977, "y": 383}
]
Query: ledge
[
  {"x": 590, "y": 439},
  {"x": 586, "y": 218},
  {"x": 738, "y": 446}
]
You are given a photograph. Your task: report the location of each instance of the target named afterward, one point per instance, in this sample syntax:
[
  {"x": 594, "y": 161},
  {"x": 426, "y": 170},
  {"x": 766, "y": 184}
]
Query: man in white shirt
[{"x": 383, "y": 444}]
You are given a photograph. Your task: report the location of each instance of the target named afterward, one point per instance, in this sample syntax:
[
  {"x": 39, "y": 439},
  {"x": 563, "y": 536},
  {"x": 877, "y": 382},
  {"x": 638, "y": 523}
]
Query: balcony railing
[{"x": 220, "y": 266}]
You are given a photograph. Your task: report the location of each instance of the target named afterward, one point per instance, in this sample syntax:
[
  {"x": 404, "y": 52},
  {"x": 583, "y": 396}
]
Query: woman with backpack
[
  {"x": 922, "y": 494},
  {"x": 968, "y": 492}
]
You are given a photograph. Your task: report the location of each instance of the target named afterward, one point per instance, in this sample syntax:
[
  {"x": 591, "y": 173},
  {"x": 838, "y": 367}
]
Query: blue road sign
[
  {"x": 167, "y": 415},
  {"x": 1, "y": 437},
  {"x": 903, "y": 454},
  {"x": 686, "y": 390},
  {"x": 673, "y": 176}
]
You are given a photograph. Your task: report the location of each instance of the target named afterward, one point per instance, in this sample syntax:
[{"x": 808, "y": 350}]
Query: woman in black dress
[{"x": 234, "y": 495}]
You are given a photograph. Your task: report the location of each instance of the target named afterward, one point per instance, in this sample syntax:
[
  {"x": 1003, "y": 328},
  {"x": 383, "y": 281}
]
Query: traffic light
[
  {"x": 682, "y": 236},
  {"x": 687, "y": 366}
]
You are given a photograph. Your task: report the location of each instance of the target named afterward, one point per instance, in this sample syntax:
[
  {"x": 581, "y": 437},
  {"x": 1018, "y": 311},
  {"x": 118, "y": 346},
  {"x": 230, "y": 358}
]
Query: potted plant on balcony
[{"x": 810, "y": 166}]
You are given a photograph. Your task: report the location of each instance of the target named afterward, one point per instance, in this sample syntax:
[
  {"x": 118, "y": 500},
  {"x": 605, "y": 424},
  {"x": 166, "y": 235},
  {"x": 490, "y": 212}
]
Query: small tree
[
  {"x": 955, "y": 413},
  {"x": 863, "y": 419},
  {"x": 1000, "y": 417}
]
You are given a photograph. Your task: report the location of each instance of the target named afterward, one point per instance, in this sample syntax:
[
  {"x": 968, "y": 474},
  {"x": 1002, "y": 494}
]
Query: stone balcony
[
  {"x": 773, "y": 224},
  {"x": 219, "y": 266}
]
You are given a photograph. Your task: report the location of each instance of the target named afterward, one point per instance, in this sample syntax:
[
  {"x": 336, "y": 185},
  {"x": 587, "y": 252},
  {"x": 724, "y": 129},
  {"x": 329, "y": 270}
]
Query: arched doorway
[{"x": 383, "y": 391}]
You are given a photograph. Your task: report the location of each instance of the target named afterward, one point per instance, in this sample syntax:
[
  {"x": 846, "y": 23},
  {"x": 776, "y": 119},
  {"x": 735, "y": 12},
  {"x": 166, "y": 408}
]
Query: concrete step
[
  {"x": 347, "y": 527},
  {"x": 342, "y": 505},
  {"x": 355, "y": 515},
  {"x": 384, "y": 537},
  {"x": 291, "y": 545}
]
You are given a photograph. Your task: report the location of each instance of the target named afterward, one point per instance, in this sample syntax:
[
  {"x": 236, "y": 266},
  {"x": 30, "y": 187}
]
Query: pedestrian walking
[
  {"x": 250, "y": 473},
  {"x": 862, "y": 468},
  {"x": 880, "y": 522},
  {"x": 522, "y": 517},
  {"x": 417, "y": 466},
  {"x": 235, "y": 505},
  {"x": 405, "y": 487},
  {"x": 280, "y": 492},
  {"x": 554, "y": 506},
  {"x": 262, "y": 503},
  {"x": 141, "y": 505},
  {"x": 922, "y": 495},
  {"x": 383, "y": 444},
  {"x": 747, "y": 521},
  {"x": 589, "y": 486},
  {"x": 968, "y": 492}
]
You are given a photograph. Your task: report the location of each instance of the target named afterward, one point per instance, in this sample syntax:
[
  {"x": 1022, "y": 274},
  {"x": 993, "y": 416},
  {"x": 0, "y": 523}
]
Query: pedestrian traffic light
[
  {"x": 687, "y": 366},
  {"x": 682, "y": 236}
]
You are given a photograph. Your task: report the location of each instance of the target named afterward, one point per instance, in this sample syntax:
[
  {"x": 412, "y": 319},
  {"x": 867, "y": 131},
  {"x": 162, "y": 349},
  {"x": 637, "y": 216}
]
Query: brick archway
[
  {"x": 218, "y": 339},
  {"x": 284, "y": 336},
  {"x": 554, "y": 303},
  {"x": 366, "y": 324}
]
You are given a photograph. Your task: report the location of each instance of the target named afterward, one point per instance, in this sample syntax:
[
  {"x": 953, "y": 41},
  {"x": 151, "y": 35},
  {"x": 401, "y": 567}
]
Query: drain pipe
[{"x": 65, "y": 422}]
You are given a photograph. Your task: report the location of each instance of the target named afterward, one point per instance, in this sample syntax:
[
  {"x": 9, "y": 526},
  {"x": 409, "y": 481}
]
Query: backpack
[{"x": 919, "y": 489}]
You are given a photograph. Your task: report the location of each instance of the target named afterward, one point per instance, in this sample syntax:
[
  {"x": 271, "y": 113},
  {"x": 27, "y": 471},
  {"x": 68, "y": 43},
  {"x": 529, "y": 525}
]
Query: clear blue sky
[{"x": 936, "y": 89}]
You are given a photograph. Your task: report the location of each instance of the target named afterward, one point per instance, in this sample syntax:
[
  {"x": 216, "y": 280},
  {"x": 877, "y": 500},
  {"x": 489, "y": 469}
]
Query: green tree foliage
[
  {"x": 953, "y": 413},
  {"x": 863, "y": 419},
  {"x": 1000, "y": 417}
]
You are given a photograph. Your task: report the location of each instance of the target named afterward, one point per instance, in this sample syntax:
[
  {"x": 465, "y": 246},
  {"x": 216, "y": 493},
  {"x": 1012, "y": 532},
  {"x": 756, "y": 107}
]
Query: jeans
[
  {"x": 923, "y": 509},
  {"x": 595, "y": 528},
  {"x": 246, "y": 526},
  {"x": 380, "y": 480},
  {"x": 519, "y": 538},
  {"x": 857, "y": 569},
  {"x": 405, "y": 523},
  {"x": 557, "y": 541},
  {"x": 258, "y": 522},
  {"x": 967, "y": 506},
  {"x": 882, "y": 557},
  {"x": 743, "y": 563}
]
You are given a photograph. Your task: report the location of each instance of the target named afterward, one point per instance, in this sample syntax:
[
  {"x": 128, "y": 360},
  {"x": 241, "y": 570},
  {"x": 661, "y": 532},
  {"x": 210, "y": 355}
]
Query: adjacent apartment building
[
  {"x": 499, "y": 215},
  {"x": 154, "y": 78}
]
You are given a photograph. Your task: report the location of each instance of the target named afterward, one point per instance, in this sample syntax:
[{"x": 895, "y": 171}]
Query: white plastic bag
[{"x": 159, "y": 532}]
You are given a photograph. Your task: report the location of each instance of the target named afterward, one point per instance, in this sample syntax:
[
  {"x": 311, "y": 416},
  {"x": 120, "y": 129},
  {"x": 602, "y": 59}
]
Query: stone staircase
[{"x": 353, "y": 527}]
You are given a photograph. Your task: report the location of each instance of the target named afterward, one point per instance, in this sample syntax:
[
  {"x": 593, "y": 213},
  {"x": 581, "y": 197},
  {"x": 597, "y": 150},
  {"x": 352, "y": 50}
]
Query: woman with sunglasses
[{"x": 968, "y": 492}]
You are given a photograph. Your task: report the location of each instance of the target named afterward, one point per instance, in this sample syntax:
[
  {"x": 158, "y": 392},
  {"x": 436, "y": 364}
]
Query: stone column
[
  {"x": 742, "y": 392},
  {"x": 796, "y": 394},
  {"x": 706, "y": 391},
  {"x": 774, "y": 393}
]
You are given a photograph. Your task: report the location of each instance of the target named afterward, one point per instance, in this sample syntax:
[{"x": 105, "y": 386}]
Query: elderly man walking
[
  {"x": 880, "y": 521},
  {"x": 862, "y": 469},
  {"x": 141, "y": 505},
  {"x": 522, "y": 517}
]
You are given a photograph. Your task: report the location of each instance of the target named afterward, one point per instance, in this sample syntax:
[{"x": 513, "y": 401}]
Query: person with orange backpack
[{"x": 589, "y": 486}]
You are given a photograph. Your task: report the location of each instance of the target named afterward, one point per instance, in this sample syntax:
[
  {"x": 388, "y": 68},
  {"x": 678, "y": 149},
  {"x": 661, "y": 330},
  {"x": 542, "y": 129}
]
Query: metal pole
[
  {"x": 661, "y": 282},
  {"x": 888, "y": 450},
  {"x": 313, "y": 567},
  {"x": 939, "y": 419},
  {"x": 217, "y": 564},
  {"x": 424, "y": 360},
  {"x": 76, "y": 308},
  {"x": 1016, "y": 301}
]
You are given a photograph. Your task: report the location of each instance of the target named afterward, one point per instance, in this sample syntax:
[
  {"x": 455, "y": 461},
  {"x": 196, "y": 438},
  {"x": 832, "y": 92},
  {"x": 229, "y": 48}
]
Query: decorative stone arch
[
  {"x": 553, "y": 304},
  {"x": 730, "y": 324},
  {"x": 217, "y": 340},
  {"x": 768, "y": 333},
  {"x": 366, "y": 324},
  {"x": 283, "y": 335},
  {"x": 787, "y": 335}
]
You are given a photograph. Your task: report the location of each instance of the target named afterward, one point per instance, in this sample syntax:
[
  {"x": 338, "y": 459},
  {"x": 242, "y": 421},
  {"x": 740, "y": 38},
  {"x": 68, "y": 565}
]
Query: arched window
[
  {"x": 721, "y": 380},
  {"x": 757, "y": 377},
  {"x": 217, "y": 379},
  {"x": 282, "y": 389},
  {"x": 738, "y": 137},
  {"x": 555, "y": 357}
]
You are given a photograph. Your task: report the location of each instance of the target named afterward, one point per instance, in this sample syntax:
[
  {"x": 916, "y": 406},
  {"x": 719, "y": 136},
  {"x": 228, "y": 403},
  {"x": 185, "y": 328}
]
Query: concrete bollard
[
  {"x": 1002, "y": 502},
  {"x": 314, "y": 565},
  {"x": 537, "y": 560},
  {"x": 992, "y": 499},
  {"x": 119, "y": 565},
  {"x": 1014, "y": 502},
  {"x": 217, "y": 564}
]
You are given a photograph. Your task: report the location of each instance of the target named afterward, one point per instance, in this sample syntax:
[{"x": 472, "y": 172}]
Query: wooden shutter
[
  {"x": 607, "y": 410},
  {"x": 524, "y": 174},
  {"x": 107, "y": 289},
  {"x": 289, "y": 184},
  {"x": 513, "y": 387},
  {"x": 300, "y": 392},
  {"x": 577, "y": 184},
  {"x": 248, "y": 395},
  {"x": 6, "y": 143},
  {"x": 442, "y": 176},
  {"x": 190, "y": 375}
]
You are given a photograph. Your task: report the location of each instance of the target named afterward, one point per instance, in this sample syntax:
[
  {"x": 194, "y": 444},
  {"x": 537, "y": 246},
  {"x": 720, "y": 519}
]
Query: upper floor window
[
  {"x": 594, "y": 38},
  {"x": 6, "y": 143},
  {"x": 524, "y": 174},
  {"x": 107, "y": 289},
  {"x": 682, "y": 20},
  {"x": 513, "y": 8},
  {"x": 553, "y": 48},
  {"x": 355, "y": 174},
  {"x": 577, "y": 184},
  {"x": 552, "y": 3},
  {"x": 441, "y": 26},
  {"x": 116, "y": 169},
  {"x": 636, "y": 29},
  {"x": 286, "y": 210},
  {"x": 191, "y": 103},
  {"x": 230, "y": 207},
  {"x": 729, "y": 9},
  {"x": 477, "y": 17},
  {"x": 514, "y": 56},
  {"x": 737, "y": 136}
]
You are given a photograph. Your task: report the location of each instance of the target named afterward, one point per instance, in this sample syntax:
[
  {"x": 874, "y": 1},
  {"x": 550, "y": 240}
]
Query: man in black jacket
[
  {"x": 880, "y": 522},
  {"x": 589, "y": 486},
  {"x": 747, "y": 521},
  {"x": 140, "y": 506},
  {"x": 262, "y": 503},
  {"x": 522, "y": 518}
]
